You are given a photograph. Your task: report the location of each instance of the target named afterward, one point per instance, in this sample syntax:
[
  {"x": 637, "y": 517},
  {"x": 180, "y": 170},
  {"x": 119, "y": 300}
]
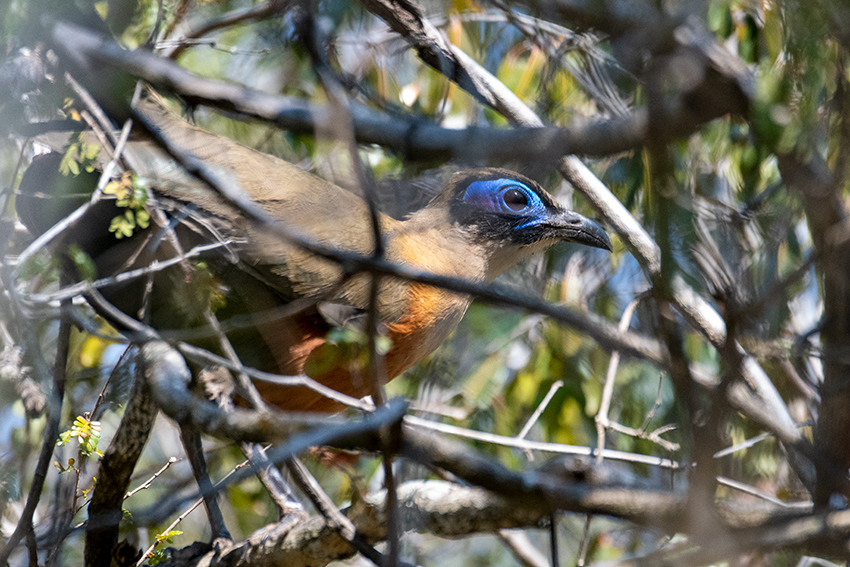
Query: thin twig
[
  {"x": 262, "y": 11},
  {"x": 155, "y": 266},
  {"x": 147, "y": 484},
  {"x": 743, "y": 445},
  {"x": 190, "y": 436},
  {"x": 544, "y": 403},
  {"x": 752, "y": 491},
  {"x": 585, "y": 542},
  {"x": 540, "y": 446},
  {"x": 323, "y": 503},
  {"x": 181, "y": 517},
  {"x": 653, "y": 436},
  {"x": 106, "y": 125},
  {"x": 522, "y": 548},
  {"x": 553, "y": 539},
  {"x": 602, "y": 421},
  {"x": 102, "y": 395}
]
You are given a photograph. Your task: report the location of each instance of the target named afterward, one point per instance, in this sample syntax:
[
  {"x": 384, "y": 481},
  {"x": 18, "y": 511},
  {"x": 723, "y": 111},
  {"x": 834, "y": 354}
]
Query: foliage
[
  {"x": 79, "y": 156},
  {"x": 159, "y": 555},
  {"x": 87, "y": 434},
  {"x": 130, "y": 192}
]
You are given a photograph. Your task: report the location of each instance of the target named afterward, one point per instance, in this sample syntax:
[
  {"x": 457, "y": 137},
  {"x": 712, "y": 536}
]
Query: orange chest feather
[
  {"x": 430, "y": 313},
  {"x": 427, "y": 305}
]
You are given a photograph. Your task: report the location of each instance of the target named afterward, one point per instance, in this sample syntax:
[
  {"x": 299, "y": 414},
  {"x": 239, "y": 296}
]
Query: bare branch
[
  {"x": 262, "y": 11},
  {"x": 602, "y": 421},
  {"x": 558, "y": 448},
  {"x": 51, "y": 434},
  {"x": 147, "y": 484},
  {"x": 522, "y": 548},
  {"x": 418, "y": 140},
  {"x": 116, "y": 468}
]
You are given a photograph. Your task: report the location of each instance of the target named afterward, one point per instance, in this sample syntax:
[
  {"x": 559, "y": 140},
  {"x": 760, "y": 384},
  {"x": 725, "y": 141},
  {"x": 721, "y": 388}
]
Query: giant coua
[{"x": 481, "y": 224}]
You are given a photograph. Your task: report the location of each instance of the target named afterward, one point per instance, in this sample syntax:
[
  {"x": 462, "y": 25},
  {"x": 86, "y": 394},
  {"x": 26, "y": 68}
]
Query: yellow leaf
[
  {"x": 455, "y": 31},
  {"x": 92, "y": 351},
  {"x": 535, "y": 60},
  {"x": 115, "y": 188}
]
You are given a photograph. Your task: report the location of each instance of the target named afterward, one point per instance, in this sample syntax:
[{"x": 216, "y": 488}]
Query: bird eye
[
  {"x": 515, "y": 200},
  {"x": 504, "y": 196}
]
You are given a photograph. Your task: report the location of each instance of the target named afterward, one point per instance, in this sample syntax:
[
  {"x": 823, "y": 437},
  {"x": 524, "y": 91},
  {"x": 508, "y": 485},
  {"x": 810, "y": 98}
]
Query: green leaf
[
  {"x": 720, "y": 19},
  {"x": 87, "y": 433},
  {"x": 142, "y": 218},
  {"x": 172, "y": 533},
  {"x": 157, "y": 556},
  {"x": 89, "y": 151},
  {"x": 71, "y": 167},
  {"x": 123, "y": 225},
  {"x": 83, "y": 262},
  {"x": 140, "y": 191}
]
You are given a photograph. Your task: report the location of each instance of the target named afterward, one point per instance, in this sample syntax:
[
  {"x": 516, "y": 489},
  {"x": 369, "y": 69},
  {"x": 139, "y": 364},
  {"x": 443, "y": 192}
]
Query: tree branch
[{"x": 116, "y": 468}]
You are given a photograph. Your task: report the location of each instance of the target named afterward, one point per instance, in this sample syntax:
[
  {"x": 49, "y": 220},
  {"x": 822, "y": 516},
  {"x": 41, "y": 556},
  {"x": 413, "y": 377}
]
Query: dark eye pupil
[{"x": 515, "y": 199}]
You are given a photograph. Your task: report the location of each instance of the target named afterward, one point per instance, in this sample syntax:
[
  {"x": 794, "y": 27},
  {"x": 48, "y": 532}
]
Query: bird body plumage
[{"x": 484, "y": 221}]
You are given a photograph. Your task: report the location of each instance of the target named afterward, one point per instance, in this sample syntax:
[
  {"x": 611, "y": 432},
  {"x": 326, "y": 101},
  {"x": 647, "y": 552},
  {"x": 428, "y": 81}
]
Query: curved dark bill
[{"x": 572, "y": 227}]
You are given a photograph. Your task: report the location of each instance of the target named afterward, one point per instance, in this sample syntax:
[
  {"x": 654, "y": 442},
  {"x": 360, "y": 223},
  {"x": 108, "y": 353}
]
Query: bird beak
[{"x": 572, "y": 227}]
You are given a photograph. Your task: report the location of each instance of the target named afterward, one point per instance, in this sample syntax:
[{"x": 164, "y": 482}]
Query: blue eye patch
[{"x": 508, "y": 197}]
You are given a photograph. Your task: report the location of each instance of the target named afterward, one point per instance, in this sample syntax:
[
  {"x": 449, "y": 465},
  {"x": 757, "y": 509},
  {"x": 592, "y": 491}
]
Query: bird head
[{"x": 509, "y": 217}]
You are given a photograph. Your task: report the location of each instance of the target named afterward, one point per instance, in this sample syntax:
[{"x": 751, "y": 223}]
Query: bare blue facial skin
[{"x": 508, "y": 197}]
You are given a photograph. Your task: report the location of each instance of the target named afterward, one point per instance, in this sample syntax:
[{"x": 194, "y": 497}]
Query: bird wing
[
  {"x": 304, "y": 204},
  {"x": 267, "y": 291}
]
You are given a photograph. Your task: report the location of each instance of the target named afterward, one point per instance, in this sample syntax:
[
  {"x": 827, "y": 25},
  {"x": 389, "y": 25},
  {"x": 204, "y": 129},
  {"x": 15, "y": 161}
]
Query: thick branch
[
  {"x": 650, "y": 507},
  {"x": 827, "y": 215},
  {"x": 116, "y": 467},
  {"x": 168, "y": 377},
  {"x": 418, "y": 140},
  {"x": 437, "y": 507},
  {"x": 449, "y": 510}
]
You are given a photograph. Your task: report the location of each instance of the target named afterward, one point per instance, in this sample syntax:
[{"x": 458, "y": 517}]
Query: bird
[{"x": 279, "y": 301}]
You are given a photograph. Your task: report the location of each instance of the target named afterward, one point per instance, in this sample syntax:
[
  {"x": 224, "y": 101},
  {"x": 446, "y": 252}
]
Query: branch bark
[
  {"x": 116, "y": 468},
  {"x": 827, "y": 215}
]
